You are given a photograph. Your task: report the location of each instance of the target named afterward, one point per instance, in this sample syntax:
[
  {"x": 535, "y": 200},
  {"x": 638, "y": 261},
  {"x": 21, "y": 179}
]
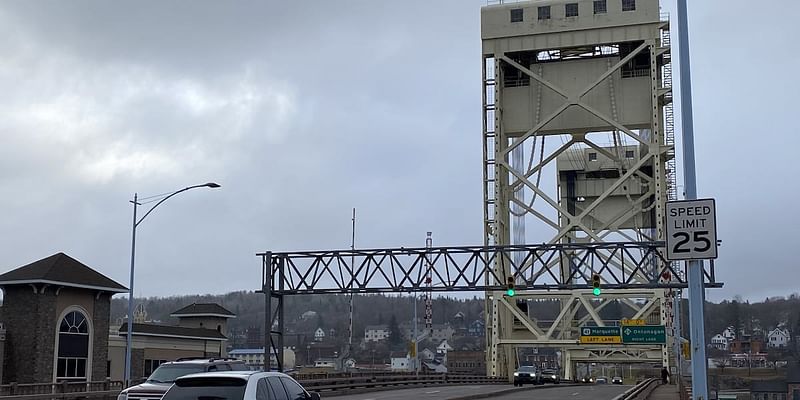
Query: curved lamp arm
[{"x": 209, "y": 185}]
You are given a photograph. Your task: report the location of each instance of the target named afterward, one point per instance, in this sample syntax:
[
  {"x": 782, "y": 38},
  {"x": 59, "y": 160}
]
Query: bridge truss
[{"x": 474, "y": 269}]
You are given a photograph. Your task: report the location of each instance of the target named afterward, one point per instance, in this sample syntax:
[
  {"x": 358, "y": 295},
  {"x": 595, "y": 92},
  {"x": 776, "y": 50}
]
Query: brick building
[{"x": 56, "y": 315}]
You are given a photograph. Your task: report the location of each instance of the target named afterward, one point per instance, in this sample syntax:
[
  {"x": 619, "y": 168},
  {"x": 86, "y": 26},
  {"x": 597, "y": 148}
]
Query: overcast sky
[{"x": 303, "y": 110}]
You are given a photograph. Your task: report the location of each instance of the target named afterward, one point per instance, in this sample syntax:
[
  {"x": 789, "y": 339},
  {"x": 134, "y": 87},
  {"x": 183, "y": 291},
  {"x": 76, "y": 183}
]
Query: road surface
[{"x": 547, "y": 392}]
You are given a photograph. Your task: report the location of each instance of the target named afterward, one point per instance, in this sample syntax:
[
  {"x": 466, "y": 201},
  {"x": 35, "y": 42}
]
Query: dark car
[
  {"x": 617, "y": 380},
  {"x": 527, "y": 374},
  {"x": 234, "y": 385},
  {"x": 550, "y": 376},
  {"x": 164, "y": 376}
]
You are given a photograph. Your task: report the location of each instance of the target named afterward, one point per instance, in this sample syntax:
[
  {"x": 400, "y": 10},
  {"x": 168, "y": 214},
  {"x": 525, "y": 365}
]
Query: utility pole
[{"x": 697, "y": 295}]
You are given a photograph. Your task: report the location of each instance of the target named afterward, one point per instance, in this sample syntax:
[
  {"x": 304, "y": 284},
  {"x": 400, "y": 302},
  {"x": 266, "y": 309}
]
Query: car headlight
[
  {"x": 554, "y": 377},
  {"x": 515, "y": 374},
  {"x": 533, "y": 375}
]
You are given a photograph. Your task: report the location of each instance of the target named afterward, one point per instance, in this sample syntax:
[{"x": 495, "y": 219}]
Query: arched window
[{"x": 73, "y": 347}]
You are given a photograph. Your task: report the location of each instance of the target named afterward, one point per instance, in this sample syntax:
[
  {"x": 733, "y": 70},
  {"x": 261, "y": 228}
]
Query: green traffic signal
[
  {"x": 511, "y": 292},
  {"x": 596, "y": 291}
]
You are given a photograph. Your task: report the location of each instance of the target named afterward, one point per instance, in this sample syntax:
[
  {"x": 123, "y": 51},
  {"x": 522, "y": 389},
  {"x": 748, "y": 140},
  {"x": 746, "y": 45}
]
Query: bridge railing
[
  {"x": 314, "y": 382},
  {"x": 640, "y": 391},
  {"x": 107, "y": 389}
]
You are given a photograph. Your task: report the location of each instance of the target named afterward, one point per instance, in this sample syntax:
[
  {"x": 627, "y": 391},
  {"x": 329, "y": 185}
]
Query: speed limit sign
[{"x": 691, "y": 230}]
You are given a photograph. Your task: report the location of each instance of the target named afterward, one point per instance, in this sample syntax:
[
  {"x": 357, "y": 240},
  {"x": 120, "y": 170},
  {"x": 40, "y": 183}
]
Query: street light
[{"x": 128, "y": 346}]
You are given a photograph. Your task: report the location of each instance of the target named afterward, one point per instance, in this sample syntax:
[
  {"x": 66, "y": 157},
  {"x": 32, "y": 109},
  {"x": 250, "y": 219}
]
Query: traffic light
[
  {"x": 596, "y": 284},
  {"x": 510, "y": 291}
]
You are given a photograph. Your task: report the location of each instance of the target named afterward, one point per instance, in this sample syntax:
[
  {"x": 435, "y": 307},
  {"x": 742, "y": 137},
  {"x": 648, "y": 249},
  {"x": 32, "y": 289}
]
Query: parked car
[
  {"x": 238, "y": 385},
  {"x": 527, "y": 374},
  {"x": 550, "y": 376},
  {"x": 617, "y": 380},
  {"x": 601, "y": 380},
  {"x": 162, "y": 378}
]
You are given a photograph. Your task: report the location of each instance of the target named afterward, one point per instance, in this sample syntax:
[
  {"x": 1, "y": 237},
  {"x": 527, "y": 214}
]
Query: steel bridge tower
[{"x": 577, "y": 117}]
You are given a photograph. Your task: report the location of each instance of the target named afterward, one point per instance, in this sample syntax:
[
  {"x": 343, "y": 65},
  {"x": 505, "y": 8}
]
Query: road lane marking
[
  {"x": 576, "y": 393},
  {"x": 433, "y": 392}
]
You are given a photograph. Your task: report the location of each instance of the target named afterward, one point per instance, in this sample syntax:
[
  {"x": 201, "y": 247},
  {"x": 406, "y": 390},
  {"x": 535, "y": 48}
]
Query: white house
[
  {"x": 729, "y": 333},
  {"x": 443, "y": 347},
  {"x": 319, "y": 335},
  {"x": 401, "y": 363},
  {"x": 376, "y": 333},
  {"x": 254, "y": 358},
  {"x": 720, "y": 342},
  {"x": 778, "y": 338}
]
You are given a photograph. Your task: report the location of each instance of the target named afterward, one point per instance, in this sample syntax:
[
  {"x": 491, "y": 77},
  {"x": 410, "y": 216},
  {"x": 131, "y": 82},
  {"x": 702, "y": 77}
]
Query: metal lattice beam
[{"x": 470, "y": 268}]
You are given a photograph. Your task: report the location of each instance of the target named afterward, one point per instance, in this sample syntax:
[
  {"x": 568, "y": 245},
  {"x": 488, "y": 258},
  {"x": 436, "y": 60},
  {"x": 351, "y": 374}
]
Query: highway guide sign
[
  {"x": 691, "y": 230},
  {"x": 647, "y": 334},
  {"x": 600, "y": 335}
]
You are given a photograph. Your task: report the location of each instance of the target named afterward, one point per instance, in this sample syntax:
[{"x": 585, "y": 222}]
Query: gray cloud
[{"x": 302, "y": 110}]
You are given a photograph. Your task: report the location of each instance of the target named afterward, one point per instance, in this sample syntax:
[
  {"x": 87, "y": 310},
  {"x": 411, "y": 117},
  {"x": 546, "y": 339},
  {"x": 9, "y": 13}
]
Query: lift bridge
[{"x": 579, "y": 158}]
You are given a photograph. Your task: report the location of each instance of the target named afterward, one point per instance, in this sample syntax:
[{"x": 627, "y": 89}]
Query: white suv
[
  {"x": 162, "y": 378},
  {"x": 236, "y": 385}
]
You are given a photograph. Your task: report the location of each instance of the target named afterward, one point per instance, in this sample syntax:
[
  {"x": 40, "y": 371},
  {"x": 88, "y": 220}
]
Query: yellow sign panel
[
  {"x": 601, "y": 339},
  {"x": 633, "y": 322}
]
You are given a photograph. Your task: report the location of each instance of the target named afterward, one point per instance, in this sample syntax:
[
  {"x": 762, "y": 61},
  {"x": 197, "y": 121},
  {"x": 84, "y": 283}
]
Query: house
[
  {"x": 325, "y": 363},
  {"x": 443, "y": 347},
  {"x": 768, "y": 390},
  {"x": 747, "y": 344},
  {"x": 441, "y": 332},
  {"x": 778, "y": 338},
  {"x": 476, "y": 328},
  {"x": 720, "y": 342},
  {"x": 319, "y": 335},
  {"x": 376, "y": 333},
  {"x": 56, "y": 319},
  {"x": 466, "y": 362},
  {"x": 254, "y": 358},
  {"x": 729, "y": 333},
  {"x": 785, "y": 389},
  {"x": 401, "y": 362},
  {"x": 426, "y": 354}
]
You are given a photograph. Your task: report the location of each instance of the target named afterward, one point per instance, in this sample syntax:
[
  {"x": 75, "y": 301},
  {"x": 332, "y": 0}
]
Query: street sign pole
[{"x": 695, "y": 267}]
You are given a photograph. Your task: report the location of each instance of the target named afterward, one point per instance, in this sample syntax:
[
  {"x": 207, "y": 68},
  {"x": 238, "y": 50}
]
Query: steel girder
[{"x": 501, "y": 180}]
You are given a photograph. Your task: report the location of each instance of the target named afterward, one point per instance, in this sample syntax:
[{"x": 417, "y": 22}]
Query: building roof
[
  {"x": 61, "y": 269},
  {"x": 171, "y": 331},
  {"x": 769, "y": 387},
  {"x": 203, "y": 310},
  {"x": 377, "y": 327}
]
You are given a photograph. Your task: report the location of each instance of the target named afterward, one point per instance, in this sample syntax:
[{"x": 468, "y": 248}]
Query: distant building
[
  {"x": 729, "y": 333},
  {"x": 441, "y": 332},
  {"x": 784, "y": 389},
  {"x": 719, "y": 342},
  {"x": 443, "y": 347},
  {"x": 747, "y": 344},
  {"x": 466, "y": 362},
  {"x": 254, "y": 358},
  {"x": 319, "y": 335},
  {"x": 376, "y": 333},
  {"x": 200, "y": 332},
  {"x": 56, "y": 315},
  {"x": 477, "y": 328},
  {"x": 778, "y": 338},
  {"x": 400, "y": 362},
  {"x": 769, "y": 390},
  {"x": 325, "y": 363}
]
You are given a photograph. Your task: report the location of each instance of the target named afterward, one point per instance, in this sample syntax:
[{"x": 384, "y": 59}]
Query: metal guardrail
[
  {"x": 326, "y": 383},
  {"x": 60, "y": 389},
  {"x": 387, "y": 381},
  {"x": 640, "y": 391}
]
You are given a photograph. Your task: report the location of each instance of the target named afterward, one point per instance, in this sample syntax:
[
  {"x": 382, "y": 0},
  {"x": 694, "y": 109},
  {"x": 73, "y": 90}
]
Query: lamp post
[{"x": 136, "y": 204}]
